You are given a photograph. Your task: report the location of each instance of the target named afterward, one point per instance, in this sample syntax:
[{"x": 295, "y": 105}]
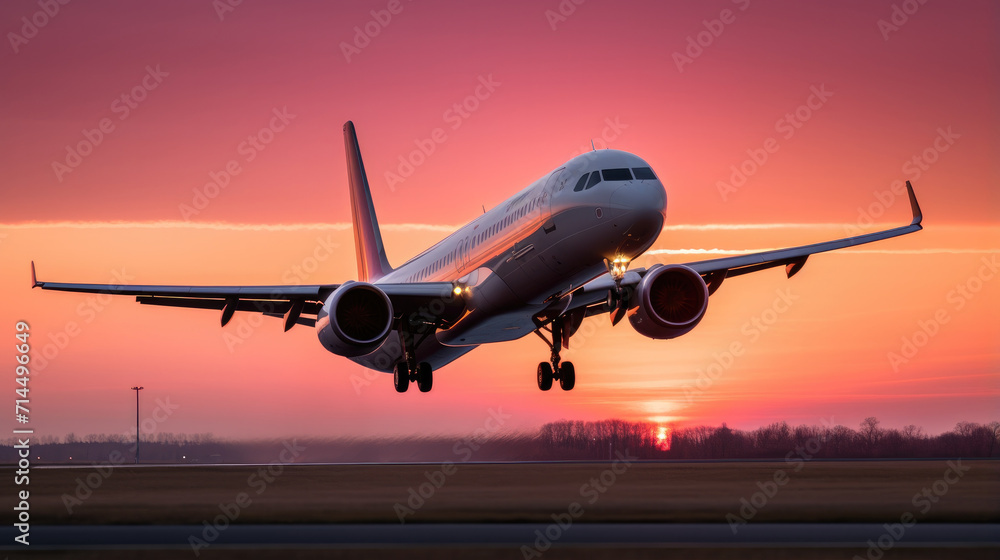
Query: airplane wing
[
  {"x": 295, "y": 304},
  {"x": 714, "y": 271}
]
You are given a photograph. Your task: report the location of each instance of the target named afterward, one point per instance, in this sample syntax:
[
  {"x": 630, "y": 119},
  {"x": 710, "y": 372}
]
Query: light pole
[{"x": 137, "y": 389}]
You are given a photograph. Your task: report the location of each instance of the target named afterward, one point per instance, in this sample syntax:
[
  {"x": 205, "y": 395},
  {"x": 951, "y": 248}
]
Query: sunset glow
[
  {"x": 223, "y": 164},
  {"x": 663, "y": 437}
]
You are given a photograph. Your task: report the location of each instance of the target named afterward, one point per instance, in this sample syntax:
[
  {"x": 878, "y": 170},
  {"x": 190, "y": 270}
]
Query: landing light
[
  {"x": 457, "y": 291},
  {"x": 618, "y": 266}
]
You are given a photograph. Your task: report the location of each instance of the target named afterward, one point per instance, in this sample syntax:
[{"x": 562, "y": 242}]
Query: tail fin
[{"x": 372, "y": 263}]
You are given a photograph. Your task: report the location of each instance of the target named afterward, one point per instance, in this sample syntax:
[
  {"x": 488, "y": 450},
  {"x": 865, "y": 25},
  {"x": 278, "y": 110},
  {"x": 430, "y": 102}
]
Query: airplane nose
[{"x": 640, "y": 195}]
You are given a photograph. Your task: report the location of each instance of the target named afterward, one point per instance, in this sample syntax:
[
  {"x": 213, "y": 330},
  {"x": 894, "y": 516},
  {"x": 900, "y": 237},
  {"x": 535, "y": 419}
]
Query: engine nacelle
[
  {"x": 355, "y": 320},
  {"x": 672, "y": 299}
]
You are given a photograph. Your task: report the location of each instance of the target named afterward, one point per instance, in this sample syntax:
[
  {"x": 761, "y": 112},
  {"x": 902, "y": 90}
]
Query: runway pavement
[{"x": 859, "y": 536}]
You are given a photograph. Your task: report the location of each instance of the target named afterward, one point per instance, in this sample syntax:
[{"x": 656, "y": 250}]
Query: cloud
[
  {"x": 928, "y": 251},
  {"x": 220, "y": 226},
  {"x": 741, "y": 227},
  {"x": 447, "y": 228}
]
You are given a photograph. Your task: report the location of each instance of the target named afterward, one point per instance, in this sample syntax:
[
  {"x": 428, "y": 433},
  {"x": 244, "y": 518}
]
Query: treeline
[
  {"x": 870, "y": 440},
  {"x": 564, "y": 440}
]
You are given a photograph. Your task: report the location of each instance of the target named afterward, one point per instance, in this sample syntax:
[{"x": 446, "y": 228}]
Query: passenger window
[
  {"x": 595, "y": 178},
  {"x": 581, "y": 183},
  {"x": 620, "y": 174},
  {"x": 643, "y": 173}
]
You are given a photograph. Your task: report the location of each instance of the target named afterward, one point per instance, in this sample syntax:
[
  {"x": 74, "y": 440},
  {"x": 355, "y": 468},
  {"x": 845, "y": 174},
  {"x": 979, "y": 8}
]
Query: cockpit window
[
  {"x": 581, "y": 183},
  {"x": 643, "y": 173},
  {"x": 595, "y": 178},
  {"x": 621, "y": 174}
]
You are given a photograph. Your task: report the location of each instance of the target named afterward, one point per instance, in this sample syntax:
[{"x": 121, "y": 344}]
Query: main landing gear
[
  {"x": 409, "y": 369},
  {"x": 553, "y": 369},
  {"x": 421, "y": 373}
]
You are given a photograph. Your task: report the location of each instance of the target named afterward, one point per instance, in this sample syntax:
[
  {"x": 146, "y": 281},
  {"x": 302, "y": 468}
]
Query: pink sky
[{"x": 925, "y": 90}]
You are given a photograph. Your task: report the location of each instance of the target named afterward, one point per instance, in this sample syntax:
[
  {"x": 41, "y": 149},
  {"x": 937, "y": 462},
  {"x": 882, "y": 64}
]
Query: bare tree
[
  {"x": 994, "y": 428},
  {"x": 871, "y": 434},
  {"x": 913, "y": 431}
]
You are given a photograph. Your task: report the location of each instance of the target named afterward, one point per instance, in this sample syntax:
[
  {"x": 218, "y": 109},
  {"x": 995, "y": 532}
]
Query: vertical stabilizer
[{"x": 372, "y": 263}]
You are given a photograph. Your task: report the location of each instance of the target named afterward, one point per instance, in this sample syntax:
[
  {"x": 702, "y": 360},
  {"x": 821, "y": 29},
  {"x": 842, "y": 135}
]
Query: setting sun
[{"x": 663, "y": 437}]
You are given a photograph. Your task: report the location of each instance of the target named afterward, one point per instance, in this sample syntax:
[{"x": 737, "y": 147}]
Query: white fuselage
[{"x": 521, "y": 256}]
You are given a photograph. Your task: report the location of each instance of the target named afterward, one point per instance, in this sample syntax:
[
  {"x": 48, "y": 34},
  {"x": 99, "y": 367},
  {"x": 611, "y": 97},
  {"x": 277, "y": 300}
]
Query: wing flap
[
  {"x": 744, "y": 264},
  {"x": 290, "y": 302},
  {"x": 258, "y": 306},
  {"x": 792, "y": 258},
  {"x": 296, "y": 304},
  {"x": 317, "y": 292}
]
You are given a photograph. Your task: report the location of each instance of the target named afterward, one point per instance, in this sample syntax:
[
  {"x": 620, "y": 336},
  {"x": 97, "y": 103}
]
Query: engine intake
[
  {"x": 672, "y": 299},
  {"x": 355, "y": 320}
]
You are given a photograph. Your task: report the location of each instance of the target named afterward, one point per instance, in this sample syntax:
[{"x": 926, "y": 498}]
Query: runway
[{"x": 859, "y": 536}]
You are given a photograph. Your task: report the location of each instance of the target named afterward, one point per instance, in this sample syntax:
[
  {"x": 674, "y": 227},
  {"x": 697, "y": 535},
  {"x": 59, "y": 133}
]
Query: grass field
[{"x": 860, "y": 491}]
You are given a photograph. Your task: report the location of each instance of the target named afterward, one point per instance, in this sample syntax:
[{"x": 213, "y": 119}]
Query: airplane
[{"x": 541, "y": 262}]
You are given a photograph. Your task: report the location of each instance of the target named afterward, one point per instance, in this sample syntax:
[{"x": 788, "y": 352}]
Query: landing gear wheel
[
  {"x": 425, "y": 377},
  {"x": 544, "y": 376},
  {"x": 401, "y": 377},
  {"x": 567, "y": 376}
]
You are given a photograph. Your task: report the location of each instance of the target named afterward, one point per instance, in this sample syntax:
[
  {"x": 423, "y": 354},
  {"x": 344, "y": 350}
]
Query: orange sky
[{"x": 927, "y": 91}]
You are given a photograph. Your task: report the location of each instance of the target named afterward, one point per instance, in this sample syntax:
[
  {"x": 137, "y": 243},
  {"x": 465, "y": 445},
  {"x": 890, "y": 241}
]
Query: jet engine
[
  {"x": 355, "y": 320},
  {"x": 672, "y": 299}
]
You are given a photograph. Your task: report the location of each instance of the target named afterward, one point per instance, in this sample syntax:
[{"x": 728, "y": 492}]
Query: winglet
[
  {"x": 34, "y": 280},
  {"x": 917, "y": 215}
]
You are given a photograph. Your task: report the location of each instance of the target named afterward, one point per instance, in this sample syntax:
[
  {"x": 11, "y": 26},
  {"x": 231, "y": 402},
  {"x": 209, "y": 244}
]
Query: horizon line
[{"x": 408, "y": 226}]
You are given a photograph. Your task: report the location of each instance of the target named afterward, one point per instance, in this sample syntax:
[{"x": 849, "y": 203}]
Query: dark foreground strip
[{"x": 839, "y": 535}]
